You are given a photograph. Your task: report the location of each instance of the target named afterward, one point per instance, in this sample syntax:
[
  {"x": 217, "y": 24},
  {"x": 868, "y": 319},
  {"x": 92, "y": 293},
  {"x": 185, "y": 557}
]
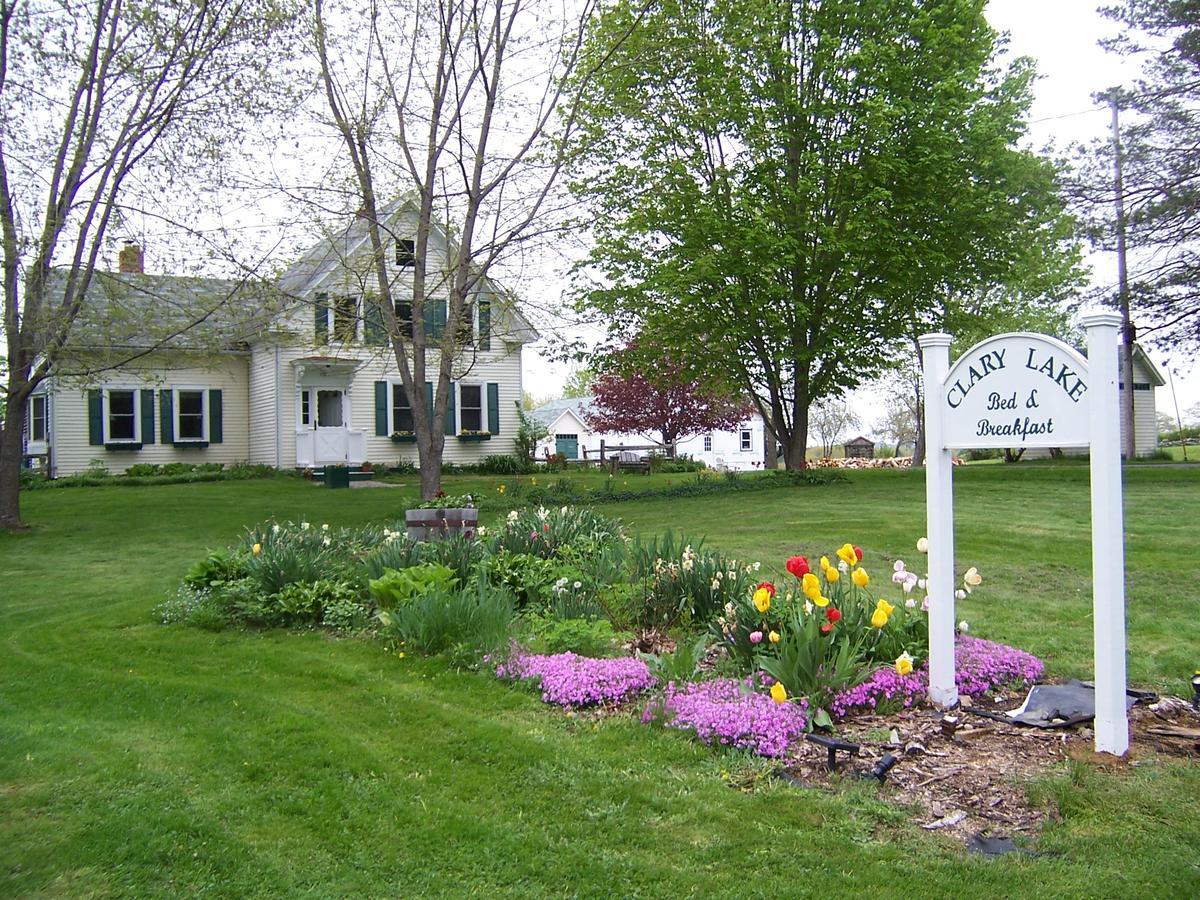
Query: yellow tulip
[
  {"x": 879, "y": 619},
  {"x": 773, "y": 637},
  {"x": 810, "y": 583},
  {"x": 778, "y": 693},
  {"x": 832, "y": 575},
  {"x": 762, "y": 600},
  {"x": 824, "y": 562},
  {"x": 256, "y": 549},
  {"x": 904, "y": 664},
  {"x": 820, "y": 601},
  {"x": 883, "y": 606},
  {"x": 847, "y": 555},
  {"x": 860, "y": 577},
  {"x": 972, "y": 578}
]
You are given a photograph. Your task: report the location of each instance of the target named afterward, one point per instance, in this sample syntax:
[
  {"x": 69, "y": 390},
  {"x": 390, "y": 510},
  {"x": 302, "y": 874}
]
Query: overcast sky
[{"x": 1062, "y": 37}]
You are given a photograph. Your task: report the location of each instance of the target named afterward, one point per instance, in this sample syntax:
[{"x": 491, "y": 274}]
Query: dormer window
[{"x": 406, "y": 253}]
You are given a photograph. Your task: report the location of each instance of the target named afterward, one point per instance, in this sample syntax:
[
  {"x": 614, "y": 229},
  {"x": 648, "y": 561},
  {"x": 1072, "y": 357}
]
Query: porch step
[{"x": 355, "y": 475}]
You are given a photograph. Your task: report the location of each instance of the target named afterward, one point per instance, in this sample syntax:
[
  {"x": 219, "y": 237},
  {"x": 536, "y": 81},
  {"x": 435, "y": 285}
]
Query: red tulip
[
  {"x": 798, "y": 566},
  {"x": 766, "y": 586},
  {"x": 857, "y": 551},
  {"x": 832, "y": 614}
]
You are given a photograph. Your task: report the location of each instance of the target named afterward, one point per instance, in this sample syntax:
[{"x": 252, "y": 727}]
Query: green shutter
[
  {"x": 429, "y": 400},
  {"x": 439, "y": 314},
  {"x": 95, "y": 418},
  {"x": 373, "y": 329},
  {"x": 493, "y": 403},
  {"x": 146, "y": 403},
  {"x": 216, "y": 415},
  {"x": 485, "y": 326},
  {"x": 432, "y": 318},
  {"x": 381, "y": 409},
  {"x": 448, "y": 425},
  {"x": 321, "y": 319},
  {"x": 166, "y": 416}
]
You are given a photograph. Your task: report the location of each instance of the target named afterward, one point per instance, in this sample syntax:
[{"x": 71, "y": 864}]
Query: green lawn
[{"x": 137, "y": 759}]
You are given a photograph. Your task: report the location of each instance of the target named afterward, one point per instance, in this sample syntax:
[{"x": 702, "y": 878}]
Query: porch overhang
[{"x": 320, "y": 371}]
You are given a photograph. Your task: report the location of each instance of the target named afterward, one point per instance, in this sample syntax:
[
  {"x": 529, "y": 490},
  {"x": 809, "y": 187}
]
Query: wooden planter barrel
[{"x": 436, "y": 524}]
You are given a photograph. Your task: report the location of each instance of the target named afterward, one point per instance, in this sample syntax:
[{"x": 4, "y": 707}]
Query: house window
[
  {"x": 470, "y": 407},
  {"x": 406, "y": 253},
  {"x": 37, "y": 418},
  {"x": 122, "y": 419},
  {"x": 345, "y": 318},
  {"x": 305, "y": 413},
  {"x": 189, "y": 415},
  {"x": 745, "y": 439},
  {"x": 402, "y": 417},
  {"x": 708, "y": 443},
  {"x": 404, "y": 317},
  {"x": 1137, "y": 386}
]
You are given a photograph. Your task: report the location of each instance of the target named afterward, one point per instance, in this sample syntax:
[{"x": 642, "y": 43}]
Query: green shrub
[
  {"x": 527, "y": 577},
  {"x": 192, "y": 606},
  {"x": 288, "y": 553},
  {"x": 503, "y": 464},
  {"x": 396, "y": 552},
  {"x": 141, "y": 469},
  {"x": 178, "y": 468},
  {"x": 460, "y": 554},
  {"x": 682, "y": 665},
  {"x": 243, "y": 600},
  {"x": 345, "y": 615},
  {"x": 594, "y": 638},
  {"x": 400, "y": 587},
  {"x": 217, "y": 565},
  {"x": 471, "y": 624}
]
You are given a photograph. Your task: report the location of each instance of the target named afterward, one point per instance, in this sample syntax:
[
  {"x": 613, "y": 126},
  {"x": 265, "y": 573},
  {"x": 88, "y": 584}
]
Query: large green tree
[{"x": 782, "y": 188}]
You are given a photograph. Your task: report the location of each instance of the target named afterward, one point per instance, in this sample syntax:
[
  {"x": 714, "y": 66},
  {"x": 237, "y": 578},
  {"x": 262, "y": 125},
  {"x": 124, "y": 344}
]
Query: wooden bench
[{"x": 628, "y": 461}]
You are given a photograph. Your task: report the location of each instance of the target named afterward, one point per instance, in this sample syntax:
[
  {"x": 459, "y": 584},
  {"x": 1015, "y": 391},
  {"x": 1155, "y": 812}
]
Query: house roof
[
  {"x": 550, "y": 412},
  {"x": 324, "y": 259},
  {"x": 137, "y": 310}
]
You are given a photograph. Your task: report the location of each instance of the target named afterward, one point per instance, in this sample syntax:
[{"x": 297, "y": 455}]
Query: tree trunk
[
  {"x": 770, "y": 453},
  {"x": 795, "y": 449},
  {"x": 11, "y": 447}
]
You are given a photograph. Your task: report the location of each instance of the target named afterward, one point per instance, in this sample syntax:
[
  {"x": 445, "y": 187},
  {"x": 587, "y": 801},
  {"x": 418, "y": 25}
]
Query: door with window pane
[{"x": 328, "y": 410}]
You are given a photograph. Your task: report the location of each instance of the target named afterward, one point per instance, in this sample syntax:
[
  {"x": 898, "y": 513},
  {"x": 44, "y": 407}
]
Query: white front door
[{"x": 331, "y": 443}]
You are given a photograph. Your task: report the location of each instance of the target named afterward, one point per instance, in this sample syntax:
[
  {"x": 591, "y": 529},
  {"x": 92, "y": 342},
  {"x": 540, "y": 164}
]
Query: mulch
[{"x": 973, "y": 778}]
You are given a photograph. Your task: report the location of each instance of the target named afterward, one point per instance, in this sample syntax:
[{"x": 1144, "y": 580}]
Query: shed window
[
  {"x": 746, "y": 439},
  {"x": 708, "y": 443}
]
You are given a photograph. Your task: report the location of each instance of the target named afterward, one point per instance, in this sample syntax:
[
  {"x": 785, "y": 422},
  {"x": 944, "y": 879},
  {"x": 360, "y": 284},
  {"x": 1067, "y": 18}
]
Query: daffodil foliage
[{"x": 778, "y": 187}]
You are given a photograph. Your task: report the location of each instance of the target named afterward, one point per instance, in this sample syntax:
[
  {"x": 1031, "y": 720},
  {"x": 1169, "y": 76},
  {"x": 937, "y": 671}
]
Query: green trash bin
[{"x": 337, "y": 476}]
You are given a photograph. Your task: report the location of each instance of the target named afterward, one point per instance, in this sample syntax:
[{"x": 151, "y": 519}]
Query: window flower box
[
  {"x": 189, "y": 445},
  {"x": 472, "y": 436},
  {"x": 123, "y": 445},
  {"x": 404, "y": 437}
]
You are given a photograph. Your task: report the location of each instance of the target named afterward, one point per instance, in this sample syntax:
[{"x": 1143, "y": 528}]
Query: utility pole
[{"x": 1128, "y": 444}]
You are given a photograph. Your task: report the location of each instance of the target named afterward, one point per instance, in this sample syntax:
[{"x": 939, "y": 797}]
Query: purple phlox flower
[
  {"x": 570, "y": 680},
  {"x": 728, "y": 711}
]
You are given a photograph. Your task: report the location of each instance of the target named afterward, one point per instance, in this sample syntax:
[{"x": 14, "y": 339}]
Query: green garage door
[{"x": 567, "y": 445}]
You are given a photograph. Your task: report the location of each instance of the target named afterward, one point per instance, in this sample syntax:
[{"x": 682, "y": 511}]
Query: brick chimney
[{"x": 129, "y": 260}]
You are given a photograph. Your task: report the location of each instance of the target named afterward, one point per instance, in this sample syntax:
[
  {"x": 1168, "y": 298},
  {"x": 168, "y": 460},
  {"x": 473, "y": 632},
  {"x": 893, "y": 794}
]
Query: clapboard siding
[
  {"x": 72, "y": 452},
  {"x": 262, "y": 408}
]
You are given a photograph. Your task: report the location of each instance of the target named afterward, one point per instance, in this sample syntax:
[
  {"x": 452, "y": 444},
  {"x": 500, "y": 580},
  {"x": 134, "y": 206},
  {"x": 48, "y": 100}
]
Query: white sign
[
  {"x": 1030, "y": 390},
  {"x": 1017, "y": 390}
]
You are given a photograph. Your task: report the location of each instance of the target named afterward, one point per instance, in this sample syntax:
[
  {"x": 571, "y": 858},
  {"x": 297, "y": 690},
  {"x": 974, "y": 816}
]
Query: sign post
[{"x": 1030, "y": 390}]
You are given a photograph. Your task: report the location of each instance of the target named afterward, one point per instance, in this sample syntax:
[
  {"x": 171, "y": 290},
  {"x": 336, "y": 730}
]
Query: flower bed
[
  {"x": 573, "y": 681},
  {"x": 980, "y": 666},
  {"x": 728, "y": 712}
]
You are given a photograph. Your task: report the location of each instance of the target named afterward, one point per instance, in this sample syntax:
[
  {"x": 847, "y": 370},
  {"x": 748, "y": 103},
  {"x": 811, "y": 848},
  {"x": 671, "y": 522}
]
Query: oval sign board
[{"x": 1017, "y": 390}]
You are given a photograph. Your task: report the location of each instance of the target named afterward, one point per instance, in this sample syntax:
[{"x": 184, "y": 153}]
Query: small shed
[{"x": 859, "y": 448}]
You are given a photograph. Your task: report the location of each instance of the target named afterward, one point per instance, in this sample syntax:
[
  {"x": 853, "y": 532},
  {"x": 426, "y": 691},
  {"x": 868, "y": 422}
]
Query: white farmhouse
[{"x": 302, "y": 376}]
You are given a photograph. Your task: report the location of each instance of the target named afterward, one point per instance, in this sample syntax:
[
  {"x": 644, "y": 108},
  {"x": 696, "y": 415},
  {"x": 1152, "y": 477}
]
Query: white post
[
  {"x": 1108, "y": 550},
  {"x": 939, "y": 504}
]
